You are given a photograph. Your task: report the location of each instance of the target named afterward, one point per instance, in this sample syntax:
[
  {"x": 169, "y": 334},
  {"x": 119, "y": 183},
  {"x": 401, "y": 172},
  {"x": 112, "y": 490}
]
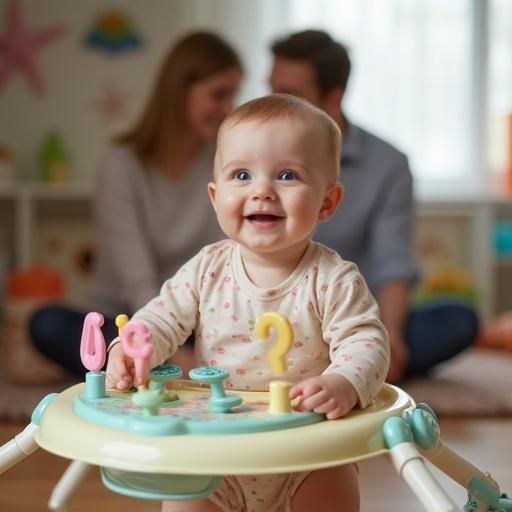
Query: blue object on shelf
[{"x": 503, "y": 238}]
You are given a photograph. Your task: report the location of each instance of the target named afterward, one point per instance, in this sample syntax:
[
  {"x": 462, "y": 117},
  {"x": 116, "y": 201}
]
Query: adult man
[{"x": 373, "y": 225}]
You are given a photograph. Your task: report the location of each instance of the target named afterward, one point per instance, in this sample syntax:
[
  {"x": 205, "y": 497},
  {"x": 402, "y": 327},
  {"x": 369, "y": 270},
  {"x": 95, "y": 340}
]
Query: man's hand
[
  {"x": 399, "y": 357},
  {"x": 332, "y": 395},
  {"x": 393, "y": 299}
]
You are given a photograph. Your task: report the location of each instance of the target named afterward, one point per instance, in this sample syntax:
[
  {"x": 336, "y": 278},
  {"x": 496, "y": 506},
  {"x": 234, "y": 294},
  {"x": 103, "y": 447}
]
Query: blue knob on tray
[{"x": 219, "y": 401}]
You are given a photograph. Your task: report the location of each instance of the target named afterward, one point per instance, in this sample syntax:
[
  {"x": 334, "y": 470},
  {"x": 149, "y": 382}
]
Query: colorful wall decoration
[
  {"x": 20, "y": 46},
  {"x": 112, "y": 102},
  {"x": 113, "y": 33}
]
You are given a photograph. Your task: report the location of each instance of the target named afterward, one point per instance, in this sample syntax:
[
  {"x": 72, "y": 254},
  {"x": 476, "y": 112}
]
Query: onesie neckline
[{"x": 276, "y": 292}]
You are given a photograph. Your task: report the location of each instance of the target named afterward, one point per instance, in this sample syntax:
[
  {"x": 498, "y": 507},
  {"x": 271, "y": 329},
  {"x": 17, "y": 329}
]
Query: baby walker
[{"x": 173, "y": 439}]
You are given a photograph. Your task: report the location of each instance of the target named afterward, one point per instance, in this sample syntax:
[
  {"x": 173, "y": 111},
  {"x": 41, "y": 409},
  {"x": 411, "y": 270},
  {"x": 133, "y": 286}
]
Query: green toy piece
[
  {"x": 149, "y": 400},
  {"x": 160, "y": 376}
]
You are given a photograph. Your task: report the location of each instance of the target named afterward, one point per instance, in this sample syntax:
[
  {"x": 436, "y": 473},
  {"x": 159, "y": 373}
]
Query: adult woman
[{"x": 151, "y": 205}]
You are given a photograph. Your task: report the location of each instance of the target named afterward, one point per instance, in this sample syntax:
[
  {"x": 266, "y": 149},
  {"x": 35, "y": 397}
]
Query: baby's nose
[{"x": 263, "y": 189}]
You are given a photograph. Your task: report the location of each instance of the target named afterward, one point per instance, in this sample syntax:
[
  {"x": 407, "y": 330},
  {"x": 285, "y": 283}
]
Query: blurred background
[{"x": 433, "y": 77}]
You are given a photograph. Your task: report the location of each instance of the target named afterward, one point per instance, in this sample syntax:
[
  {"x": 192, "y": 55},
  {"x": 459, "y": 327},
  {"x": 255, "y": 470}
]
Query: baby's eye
[
  {"x": 241, "y": 175},
  {"x": 287, "y": 175}
]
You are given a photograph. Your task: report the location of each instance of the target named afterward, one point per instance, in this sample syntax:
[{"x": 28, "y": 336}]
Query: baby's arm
[
  {"x": 332, "y": 395},
  {"x": 358, "y": 344},
  {"x": 170, "y": 317}
]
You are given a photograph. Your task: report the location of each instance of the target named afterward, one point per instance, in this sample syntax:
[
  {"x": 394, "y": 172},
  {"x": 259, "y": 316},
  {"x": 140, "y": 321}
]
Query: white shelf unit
[
  {"x": 477, "y": 216},
  {"x": 24, "y": 206}
]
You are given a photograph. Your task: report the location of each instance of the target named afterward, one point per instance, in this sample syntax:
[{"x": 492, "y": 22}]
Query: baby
[{"x": 275, "y": 177}]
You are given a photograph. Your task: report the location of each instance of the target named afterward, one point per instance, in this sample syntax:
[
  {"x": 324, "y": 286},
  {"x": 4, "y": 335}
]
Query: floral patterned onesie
[{"x": 335, "y": 320}]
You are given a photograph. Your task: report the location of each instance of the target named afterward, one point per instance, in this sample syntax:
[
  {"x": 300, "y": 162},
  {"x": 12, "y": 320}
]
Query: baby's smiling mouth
[{"x": 263, "y": 217}]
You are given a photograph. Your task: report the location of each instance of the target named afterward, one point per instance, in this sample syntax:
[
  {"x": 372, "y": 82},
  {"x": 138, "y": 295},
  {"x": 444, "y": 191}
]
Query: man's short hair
[{"x": 328, "y": 58}]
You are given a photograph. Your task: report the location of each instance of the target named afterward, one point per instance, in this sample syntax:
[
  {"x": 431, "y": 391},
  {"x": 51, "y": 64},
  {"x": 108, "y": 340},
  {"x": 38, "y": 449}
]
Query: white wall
[{"x": 75, "y": 75}]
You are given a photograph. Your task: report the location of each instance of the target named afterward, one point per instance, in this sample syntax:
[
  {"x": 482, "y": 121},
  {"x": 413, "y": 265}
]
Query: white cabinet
[
  {"x": 468, "y": 221},
  {"x": 30, "y": 203},
  {"x": 462, "y": 233},
  {"x": 29, "y": 212}
]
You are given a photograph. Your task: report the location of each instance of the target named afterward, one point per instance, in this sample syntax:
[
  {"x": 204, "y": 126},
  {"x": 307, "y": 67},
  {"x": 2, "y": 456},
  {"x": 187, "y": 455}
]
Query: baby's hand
[
  {"x": 332, "y": 395},
  {"x": 120, "y": 369}
]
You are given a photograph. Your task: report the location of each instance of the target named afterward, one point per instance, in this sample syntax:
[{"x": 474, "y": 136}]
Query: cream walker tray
[{"x": 174, "y": 439}]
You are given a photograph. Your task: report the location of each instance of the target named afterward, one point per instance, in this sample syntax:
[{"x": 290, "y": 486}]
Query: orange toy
[{"x": 497, "y": 334}]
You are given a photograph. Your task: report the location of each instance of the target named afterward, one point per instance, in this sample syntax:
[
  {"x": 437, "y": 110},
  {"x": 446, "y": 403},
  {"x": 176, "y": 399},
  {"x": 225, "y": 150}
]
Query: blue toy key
[{"x": 219, "y": 401}]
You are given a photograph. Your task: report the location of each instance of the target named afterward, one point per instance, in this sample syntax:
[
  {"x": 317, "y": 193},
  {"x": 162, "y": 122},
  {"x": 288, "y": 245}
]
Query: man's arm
[
  {"x": 393, "y": 299},
  {"x": 391, "y": 262}
]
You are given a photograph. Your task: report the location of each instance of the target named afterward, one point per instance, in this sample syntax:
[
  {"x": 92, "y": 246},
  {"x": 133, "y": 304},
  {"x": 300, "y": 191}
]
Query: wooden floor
[{"x": 486, "y": 443}]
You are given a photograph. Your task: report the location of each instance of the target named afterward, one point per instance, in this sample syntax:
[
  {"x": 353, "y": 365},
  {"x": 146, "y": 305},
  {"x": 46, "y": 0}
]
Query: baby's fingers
[
  {"x": 110, "y": 382},
  {"x": 313, "y": 402},
  {"x": 305, "y": 388},
  {"x": 326, "y": 406},
  {"x": 118, "y": 369},
  {"x": 336, "y": 414},
  {"x": 119, "y": 375}
]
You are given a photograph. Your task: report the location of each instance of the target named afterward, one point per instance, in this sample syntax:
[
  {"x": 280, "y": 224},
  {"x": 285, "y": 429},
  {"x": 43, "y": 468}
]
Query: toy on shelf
[
  {"x": 26, "y": 290},
  {"x": 502, "y": 238},
  {"x": 496, "y": 334},
  {"x": 448, "y": 282},
  {"x": 148, "y": 446},
  {"x": 54, "y": 159},
  {"x": 508, "y": 157}
]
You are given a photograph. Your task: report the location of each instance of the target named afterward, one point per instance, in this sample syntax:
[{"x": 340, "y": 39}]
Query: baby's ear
[
  {"x": 212, "y": 193},
  {"x": 332, "y": 199}
]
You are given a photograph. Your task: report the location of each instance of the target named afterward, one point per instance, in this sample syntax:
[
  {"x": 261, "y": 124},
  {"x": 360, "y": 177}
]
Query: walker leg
[
  {"x": 483, "y": 492},
  {"x": 18, "y": 448},
  {"x": 68, "y": 482},
  {"x": 409, "y": 464}
]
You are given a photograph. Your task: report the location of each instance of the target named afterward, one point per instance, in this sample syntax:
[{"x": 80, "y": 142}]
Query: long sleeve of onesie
[
  {"x": 172, "y": 315},
  {"x": 358, "y": 346}
]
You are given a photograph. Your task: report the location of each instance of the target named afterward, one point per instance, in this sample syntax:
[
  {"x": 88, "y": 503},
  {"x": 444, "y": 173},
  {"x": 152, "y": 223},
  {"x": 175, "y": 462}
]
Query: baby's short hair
[{"x": 278, "y": 106}]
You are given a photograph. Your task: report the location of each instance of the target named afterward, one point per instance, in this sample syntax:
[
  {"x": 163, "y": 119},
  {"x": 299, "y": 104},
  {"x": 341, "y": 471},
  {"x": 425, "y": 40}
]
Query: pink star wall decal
[
  {"x": 113, "y": 103},
  {"x": 19, "y": 47}
]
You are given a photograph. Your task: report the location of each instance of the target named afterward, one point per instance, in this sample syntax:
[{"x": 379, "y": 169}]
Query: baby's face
[{"x": 272, "y": 184}]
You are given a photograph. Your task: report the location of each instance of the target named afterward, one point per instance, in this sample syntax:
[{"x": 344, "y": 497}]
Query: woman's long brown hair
[{"x": 195, "y": 57}]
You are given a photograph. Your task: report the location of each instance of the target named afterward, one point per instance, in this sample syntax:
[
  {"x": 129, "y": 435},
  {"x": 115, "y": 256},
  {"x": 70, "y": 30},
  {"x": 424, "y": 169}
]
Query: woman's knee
[
  {"x": 42, "y": 324},
  {"x": 466, "y": 324},
  {"x": 52, "y": 324}
]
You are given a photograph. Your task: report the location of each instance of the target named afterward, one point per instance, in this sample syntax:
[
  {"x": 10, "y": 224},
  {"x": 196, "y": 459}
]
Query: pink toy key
[
  {"x": 139, "y": 353},
  {"x": 92, "y": 343}
]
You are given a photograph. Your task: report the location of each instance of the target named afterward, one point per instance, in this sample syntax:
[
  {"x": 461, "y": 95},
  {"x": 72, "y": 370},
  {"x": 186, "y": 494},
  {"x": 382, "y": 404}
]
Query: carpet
[
  {"x": 17, "y": 401},
  {"x": 478, "y": 383}
]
